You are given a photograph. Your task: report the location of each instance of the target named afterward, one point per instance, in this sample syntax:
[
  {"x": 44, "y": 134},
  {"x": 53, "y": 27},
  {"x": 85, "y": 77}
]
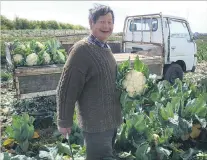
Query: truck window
[
  {"x": 179, "y": 29},
  {"x": 144, "y": 25}
]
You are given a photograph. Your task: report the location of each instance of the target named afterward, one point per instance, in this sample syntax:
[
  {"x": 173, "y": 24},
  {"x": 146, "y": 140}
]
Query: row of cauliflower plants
[
  {"x": 162, "y": 120},
  {"x": 34, "y": 53},
  {"x": 23, "y": 140}
]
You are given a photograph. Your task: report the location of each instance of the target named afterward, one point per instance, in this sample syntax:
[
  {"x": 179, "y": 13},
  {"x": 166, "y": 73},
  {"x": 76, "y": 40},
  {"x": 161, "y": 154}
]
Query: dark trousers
[{"x": 99, "y": 145}]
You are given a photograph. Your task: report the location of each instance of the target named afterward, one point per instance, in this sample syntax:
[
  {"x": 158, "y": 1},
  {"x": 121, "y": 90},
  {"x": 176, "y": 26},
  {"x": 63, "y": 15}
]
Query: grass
[
  {"x": 5, "y": 75},
  {"x": 202, "y": 49}
]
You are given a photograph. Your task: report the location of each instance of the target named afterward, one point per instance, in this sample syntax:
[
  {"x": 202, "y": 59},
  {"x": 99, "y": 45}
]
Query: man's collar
[
  {"x": 98, "y": 42},
  {"x": 101, "y": 42}
]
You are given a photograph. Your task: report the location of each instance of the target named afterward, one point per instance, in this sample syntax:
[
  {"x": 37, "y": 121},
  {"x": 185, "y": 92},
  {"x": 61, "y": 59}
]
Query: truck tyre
[{"x": 172, "y": 72}]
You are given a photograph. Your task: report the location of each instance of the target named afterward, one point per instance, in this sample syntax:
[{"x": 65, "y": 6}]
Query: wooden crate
[{"x": 37, "y": 81}]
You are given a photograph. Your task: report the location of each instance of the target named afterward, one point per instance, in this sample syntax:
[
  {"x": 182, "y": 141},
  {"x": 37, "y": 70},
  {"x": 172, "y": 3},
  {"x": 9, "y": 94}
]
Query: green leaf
[
  {"x": 24, "y": 133},
  {"x": 176, "y": 103},
  {"x": 169, "y": 110},
  {"x": 124, "y": 66},
  {"x": 127, "y": 103},
  {"x": 9, "y": 131},
  {"x": 188, "y": 154},
  {"x": 181, "y": 127},
  {"x": 155, "y": 96},
  {"x": 63, "y": 148},
  {"x": 163, "y": 153},
  {"x": 30, "y": 131},
  {"x": 24, "y": 145},
  {"x": 166, "y": 134},
  {"x": 17, "y": 134},
  {"x": 48, "y": 155},
  {"x": 196, "y": 106},
  {"x": 140, "y": 124},
  {"x": 138, "y": 65},
  {"x": 125, "y": 155},
  {"x": 141, "y": 67},
  {"x": 141, "y": 152},
  {"x": 6, "y": 155},
  {"x": 122, "y": 136},
  {"x": 123, "y": 98}
]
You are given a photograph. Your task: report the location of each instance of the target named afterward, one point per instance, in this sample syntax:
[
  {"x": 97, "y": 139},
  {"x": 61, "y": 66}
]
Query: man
[{"x": 88, "y": 78}]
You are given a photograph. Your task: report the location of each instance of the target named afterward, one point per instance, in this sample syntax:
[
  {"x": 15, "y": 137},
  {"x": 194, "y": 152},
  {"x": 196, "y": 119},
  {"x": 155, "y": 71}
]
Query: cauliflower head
[
  {"x": 46, "y": 58},
  {"x": 18, "y": 58},
  {"x": 20, "y": 49},
  {"x": 39, "y": 46},
  {"x": 32, "y": 59},
  {"x": 134, "y": 82}
]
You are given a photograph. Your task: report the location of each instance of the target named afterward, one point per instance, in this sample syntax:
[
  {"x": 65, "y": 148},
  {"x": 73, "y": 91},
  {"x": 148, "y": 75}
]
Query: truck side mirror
[{"x": 194, "y": 37}]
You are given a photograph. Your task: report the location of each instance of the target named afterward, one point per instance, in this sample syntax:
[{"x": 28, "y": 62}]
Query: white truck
[
  {"x": 163, "y": 37},
  {"x": 164, "y": 43}
]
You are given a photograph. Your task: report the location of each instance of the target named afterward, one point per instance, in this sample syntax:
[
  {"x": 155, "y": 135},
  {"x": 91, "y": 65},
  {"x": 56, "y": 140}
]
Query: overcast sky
[{"x": 76, "y": 12}]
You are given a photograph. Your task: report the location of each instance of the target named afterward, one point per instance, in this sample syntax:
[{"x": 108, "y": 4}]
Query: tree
[
  {"x": 6, "y": 23},
  {"x": 21, "y": 23}
]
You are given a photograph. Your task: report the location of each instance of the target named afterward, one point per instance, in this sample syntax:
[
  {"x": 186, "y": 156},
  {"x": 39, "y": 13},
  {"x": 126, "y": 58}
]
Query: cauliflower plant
[
  {"x": 39, "y": 46},
  {"x": 32, "y": 59},
  {"x": 59, "y": 57},
  {"x": 46, "y": 58},
  {"x": 18, "y": 58},
  {"x": 20, "y": 49},
  {"x": 134, "y": 82}
]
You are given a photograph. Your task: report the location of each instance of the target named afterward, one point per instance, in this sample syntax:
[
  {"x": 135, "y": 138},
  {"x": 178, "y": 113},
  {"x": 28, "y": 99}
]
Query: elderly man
[{"x": 88, "y": 78}]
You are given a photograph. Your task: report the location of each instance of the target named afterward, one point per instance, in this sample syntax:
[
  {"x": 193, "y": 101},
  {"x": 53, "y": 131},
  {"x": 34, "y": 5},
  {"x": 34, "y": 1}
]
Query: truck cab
[{"x": 164, "y": 36}]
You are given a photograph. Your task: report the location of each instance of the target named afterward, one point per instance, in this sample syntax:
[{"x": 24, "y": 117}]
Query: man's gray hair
[{"x": 99, "y": 10}]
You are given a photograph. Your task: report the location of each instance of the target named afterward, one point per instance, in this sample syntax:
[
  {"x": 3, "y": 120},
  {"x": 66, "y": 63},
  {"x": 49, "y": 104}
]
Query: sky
[{"x": 76, "y": 12}]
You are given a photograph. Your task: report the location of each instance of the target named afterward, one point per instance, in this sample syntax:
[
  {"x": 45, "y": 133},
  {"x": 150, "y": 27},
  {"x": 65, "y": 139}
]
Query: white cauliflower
[
  {"x": 134, "y": 82},
  {"x": 32, "y": 59},
  {"x": 39, "y": 46},
  {"x": 18, "y": 58},
  {"x": 46, "y": 58}
]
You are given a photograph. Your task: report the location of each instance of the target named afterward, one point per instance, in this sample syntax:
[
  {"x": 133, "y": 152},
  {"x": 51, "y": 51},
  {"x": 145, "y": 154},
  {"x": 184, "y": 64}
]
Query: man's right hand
[{"x": 64, "y": 131}]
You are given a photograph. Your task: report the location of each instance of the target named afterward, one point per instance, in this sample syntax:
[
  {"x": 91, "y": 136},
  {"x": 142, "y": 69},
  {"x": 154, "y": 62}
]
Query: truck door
[{"x": 182, "y": 47}]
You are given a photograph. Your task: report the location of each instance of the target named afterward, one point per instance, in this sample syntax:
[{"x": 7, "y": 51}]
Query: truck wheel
[{"x": 172, "y": 72}]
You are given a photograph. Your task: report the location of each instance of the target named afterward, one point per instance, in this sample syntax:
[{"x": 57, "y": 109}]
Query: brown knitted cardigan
[{"x": 88, "y": 78}]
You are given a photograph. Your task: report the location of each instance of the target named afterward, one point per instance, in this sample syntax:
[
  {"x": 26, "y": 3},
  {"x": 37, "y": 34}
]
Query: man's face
[{"x": 103, "y": 27}]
